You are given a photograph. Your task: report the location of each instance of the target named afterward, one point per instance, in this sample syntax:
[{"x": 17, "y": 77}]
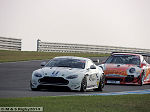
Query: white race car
[{"x": 75, "y": 73}]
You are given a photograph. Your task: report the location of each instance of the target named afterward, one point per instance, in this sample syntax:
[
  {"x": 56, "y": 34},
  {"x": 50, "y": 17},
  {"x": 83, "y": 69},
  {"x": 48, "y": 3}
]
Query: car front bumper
[
  {"x": 130, "y": 79},
  {"x": 57, "y": 82}
]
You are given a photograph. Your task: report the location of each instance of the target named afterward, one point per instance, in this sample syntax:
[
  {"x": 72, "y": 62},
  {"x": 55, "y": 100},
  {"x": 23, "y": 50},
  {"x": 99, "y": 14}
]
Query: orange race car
[{"x": 126, "y": 68}]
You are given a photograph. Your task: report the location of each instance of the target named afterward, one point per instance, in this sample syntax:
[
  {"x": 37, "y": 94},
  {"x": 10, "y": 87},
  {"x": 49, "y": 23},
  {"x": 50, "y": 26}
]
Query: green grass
[
  {"x": 122, "y": 103},
  {"x": 11, "y": 56}
]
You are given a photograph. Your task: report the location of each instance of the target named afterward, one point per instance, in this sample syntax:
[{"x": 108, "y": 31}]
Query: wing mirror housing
[
  {"x": 95, "y": 60},
  {"x": 143, "y": 64},
  {"x": 92, "y": 67},
  {"x": 43, "y": 64}
]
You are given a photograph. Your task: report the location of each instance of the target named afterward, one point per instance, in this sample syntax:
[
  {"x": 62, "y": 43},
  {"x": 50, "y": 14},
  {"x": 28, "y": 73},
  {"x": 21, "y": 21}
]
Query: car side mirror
[
  {"x": 102, "y": 62},
  {"x": 143, "y": 64},
  {"x": 92, "y": 67},
  {"x": 43, "y": 64},
  {"x": 95, "y": 60}
]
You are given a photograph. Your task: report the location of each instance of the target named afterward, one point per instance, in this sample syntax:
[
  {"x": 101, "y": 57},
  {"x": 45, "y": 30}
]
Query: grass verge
[
  {"x": 11, "y": 56},
  {"x": 122, "y": 103}
]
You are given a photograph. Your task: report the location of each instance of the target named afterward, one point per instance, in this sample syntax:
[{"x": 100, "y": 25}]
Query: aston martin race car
[
  {"x": 75, "y": 73},
  {"x": 126, "y": 68}
]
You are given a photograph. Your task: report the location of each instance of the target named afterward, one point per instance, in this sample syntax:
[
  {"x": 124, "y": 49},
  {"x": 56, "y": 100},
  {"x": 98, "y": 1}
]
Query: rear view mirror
[
  {"x": 92, "y": 67},
  {"x": 143, "y": 64},
  {"x": 43, "y": 63},
  {"x": 95, "y": 60}
]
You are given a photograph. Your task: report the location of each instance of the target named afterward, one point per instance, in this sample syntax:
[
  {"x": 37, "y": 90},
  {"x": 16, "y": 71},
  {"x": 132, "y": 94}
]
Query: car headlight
[
  {"x": 72, "y": 77},
  {"x": 132, "y": 70},
  {"x": 37, "y": 75}
]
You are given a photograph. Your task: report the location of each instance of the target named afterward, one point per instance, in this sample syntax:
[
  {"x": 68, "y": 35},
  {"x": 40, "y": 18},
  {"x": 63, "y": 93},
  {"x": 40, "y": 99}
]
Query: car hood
[
  {"x": 60, "y": 71},
  {"x": 119, "y": 69}
]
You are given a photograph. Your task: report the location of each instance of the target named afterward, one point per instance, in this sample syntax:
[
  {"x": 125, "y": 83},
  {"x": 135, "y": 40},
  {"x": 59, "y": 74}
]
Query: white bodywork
[{"x": 75, "y": 75}]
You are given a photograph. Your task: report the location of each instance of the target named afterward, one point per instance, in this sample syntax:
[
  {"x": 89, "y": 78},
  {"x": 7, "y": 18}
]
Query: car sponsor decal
[
  {"x": 119, "y": 72},
  {"x": 115, "y": 75},
  {"x": 55, "y": 73},
  {"x": 147, "y": 72},
  {"x": 97, "y": 83},
  {"x": 113, "y": 82}
]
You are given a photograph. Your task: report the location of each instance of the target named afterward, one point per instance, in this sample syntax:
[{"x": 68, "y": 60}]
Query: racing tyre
[
  {"x": 84, "y": 84},
  {"x": 142, "y": 79},
  {"x": 101, "y": 84}
]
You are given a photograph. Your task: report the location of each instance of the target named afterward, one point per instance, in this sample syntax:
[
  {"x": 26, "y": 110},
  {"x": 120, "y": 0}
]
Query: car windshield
[
  {"x": 124, "y": 59},
  {"x": 65, "y": 62}
]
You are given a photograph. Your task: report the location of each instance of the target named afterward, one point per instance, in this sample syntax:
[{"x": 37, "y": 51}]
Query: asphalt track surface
[{"x": 15, "y": 78}]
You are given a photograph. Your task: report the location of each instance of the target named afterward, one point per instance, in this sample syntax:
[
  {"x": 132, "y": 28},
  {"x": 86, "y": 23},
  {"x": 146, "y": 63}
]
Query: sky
[{"x": 123, "y": 23}]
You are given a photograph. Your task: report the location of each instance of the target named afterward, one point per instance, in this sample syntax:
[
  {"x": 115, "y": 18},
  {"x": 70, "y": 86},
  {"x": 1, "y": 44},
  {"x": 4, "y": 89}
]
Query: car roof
[
  {"x": 126, "y": 54},
  {"x": 73, "y": 57}
]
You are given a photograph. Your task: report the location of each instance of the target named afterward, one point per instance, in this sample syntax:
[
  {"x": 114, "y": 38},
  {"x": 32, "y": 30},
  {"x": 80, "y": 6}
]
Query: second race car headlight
[
  {"x": 132, "y": 70},
  {"x": 72, "y": 77},
  {"x": 37, "y": 75},
  {"x": 101, "y": 67}
]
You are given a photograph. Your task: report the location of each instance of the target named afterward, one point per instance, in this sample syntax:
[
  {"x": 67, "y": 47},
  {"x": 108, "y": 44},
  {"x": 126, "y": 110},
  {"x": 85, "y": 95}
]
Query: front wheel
[
  {"x": 142, "y": 79},
  {"x": 84, "y": 84}
]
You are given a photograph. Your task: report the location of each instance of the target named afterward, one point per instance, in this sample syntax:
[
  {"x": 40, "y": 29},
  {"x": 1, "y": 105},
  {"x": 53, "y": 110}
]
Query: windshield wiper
[{"x": 63, "y": 66}]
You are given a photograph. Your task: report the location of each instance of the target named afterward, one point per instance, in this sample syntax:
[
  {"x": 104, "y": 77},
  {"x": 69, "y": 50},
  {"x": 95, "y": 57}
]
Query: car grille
[
  {"x": 53, "y": 80},
  {"x": 129, "y": 78},
  {"x": 115, "y": 79}
]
